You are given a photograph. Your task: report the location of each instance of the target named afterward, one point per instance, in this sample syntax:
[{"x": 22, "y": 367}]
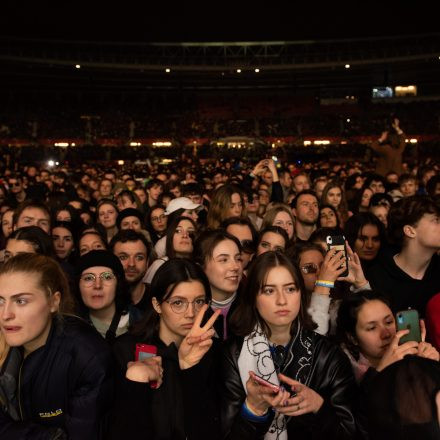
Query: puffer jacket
[
  {"x": 63, "y": 389},
  {"x": 330, "y": 375}
]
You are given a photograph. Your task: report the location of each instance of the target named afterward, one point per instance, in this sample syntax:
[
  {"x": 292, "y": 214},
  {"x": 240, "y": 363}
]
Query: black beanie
[
  {"x": 129, "y": 212},
  {"x": 100, "y": 258}
]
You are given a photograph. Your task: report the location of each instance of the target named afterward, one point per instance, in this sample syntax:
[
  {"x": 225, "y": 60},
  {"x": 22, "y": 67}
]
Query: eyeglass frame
[
  {"x": 185, "y": 301},
  {"x": 90, "y": 283},
  {"x": 161, "y": 217}
]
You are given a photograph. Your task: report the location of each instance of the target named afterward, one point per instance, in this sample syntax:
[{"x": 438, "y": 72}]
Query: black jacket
[
  {"x": 403, "y": 290},
  {"x": 64, "y": 386},
  {"x": 331, "y": 376},
  {"x": 184, "y": 407}
]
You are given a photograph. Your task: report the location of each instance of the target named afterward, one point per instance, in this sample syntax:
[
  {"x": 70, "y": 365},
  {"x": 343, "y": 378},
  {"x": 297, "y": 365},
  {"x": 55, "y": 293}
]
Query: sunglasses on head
[
  {"x": 309, "y": 268},
  {"x": 248, "y": 246}
]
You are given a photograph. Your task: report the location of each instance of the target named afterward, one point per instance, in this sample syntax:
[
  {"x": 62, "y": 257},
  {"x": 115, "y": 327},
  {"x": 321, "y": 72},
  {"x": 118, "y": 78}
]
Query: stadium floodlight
[
  {"x": 347, "y": 66},
  {"x": 257, "y": 70},
  {"x": 238, "y": 70},
  {"x": 167, "y": 70},
  {"x": 77, "y": 66}
]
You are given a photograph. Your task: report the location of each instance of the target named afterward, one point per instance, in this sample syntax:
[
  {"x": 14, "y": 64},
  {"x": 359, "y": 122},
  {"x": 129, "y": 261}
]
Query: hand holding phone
[
  {"x": 271, "y": 386},
  {"x": 409, "y": 320},
  {"x": 337, "y": 243},
  {"x": 145, "y": 351}
]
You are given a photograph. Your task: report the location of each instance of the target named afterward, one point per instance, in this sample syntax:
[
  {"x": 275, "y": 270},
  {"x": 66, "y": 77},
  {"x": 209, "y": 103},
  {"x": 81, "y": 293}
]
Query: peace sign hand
[{"x": 198, "y": 341}]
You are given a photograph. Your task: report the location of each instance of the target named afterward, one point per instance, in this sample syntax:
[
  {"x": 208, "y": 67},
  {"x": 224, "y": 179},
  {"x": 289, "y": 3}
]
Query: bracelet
[{"x": 323, "y": 283}]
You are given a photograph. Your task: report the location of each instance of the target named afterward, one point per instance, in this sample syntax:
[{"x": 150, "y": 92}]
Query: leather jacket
[{"x": 330, "y": 375}]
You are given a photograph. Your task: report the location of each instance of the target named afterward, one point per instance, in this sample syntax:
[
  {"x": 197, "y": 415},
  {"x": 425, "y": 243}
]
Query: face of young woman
[
  {"x": 158, "y": 219},
  {"x": 178, "y": 312},
  {"x": 97, "y": 289},
  {"x": 236, "y": 206},
  {"x": 366, "y": 197},
  {"x": 310, "y": 264},
  {"x": 279, "y": 299},
  {"x": 375, "y": 329},
  {"x": 90, "y": 242},
  {"x": 182, "y": 241},
  {"x": 334, "y": 197},
  {"x": 7, "y": 223},
  {"x": 367, "y": 243},
  {"x": 63, "y": 242},
  {"x": 328, "y": 218},
  {"x": 283, "y": 220},
  {"x": 107, "y": 215},
  {"x": 271, "y": 242},
  {"x": 25, "y": 310},
  {"x": 224, "y": 269},
  {"x": 124, "y": 202},
  {"x": 14, "y": 247}
]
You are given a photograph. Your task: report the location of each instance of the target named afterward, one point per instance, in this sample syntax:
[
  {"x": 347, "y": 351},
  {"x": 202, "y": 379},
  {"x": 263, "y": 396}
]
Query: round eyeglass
[
  {"x": 180, "y": 305},
  {"x": 89, "y": 278}
]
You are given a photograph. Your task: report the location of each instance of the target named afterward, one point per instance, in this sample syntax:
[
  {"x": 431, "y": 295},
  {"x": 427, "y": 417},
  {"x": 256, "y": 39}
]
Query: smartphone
[
  {"x": 337, "y": 242},
  {"x": 266, "y": 383},
  {"x": 409, "y": 320},
  {"x": 144, "y": 351}
]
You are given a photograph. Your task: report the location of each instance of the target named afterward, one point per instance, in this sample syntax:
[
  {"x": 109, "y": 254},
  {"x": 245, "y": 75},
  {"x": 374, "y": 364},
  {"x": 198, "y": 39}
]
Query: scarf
[{"x": 256, "y": 356}]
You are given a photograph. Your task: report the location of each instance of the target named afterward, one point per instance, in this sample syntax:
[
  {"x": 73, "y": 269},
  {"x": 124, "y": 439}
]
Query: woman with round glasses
[
  {"x": 275, "y": 341},
  {"x": 181, "y": 402},
  {"x": 102, "y": 294}
]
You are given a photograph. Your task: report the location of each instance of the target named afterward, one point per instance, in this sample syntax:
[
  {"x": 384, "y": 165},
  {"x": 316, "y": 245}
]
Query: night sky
[{"x": 214, "y": 20}]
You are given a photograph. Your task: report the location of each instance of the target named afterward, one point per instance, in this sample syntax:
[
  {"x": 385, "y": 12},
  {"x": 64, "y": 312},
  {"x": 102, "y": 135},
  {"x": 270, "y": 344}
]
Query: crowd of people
[{"x": 207, "y": 301}]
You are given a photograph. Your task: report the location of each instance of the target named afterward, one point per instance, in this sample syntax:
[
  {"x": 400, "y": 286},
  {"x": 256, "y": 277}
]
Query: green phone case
[{"x": 409, "y": 320}]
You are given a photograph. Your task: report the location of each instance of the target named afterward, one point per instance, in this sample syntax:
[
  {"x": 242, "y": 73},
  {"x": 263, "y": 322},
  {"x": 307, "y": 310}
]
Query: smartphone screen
[{"x": 144, "y": 351}]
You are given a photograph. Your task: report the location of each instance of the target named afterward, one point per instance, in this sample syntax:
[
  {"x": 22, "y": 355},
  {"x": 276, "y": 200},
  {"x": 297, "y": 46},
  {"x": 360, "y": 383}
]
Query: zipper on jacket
[{"x": 19, "y": 391}]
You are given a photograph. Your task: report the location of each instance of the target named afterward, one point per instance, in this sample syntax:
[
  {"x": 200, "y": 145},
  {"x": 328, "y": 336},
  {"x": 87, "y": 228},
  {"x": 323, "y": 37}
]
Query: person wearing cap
[
  {"x": 129, "y": 218},
  {"x": 102, "y": 294},
  {"x": 179, "y": 207}
]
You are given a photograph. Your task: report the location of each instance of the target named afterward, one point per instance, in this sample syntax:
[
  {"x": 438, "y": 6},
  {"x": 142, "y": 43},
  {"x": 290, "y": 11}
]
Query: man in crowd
[{"x": 305, "y": 209}]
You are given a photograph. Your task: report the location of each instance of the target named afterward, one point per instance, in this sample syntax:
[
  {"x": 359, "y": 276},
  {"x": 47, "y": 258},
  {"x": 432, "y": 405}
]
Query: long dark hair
[
  {"x": 246, "y": 316},
  {"x": 167, "y": 278},
  {"x": 171, "y": 230}
]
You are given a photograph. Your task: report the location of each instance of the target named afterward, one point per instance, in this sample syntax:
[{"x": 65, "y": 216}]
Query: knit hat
[
  {"x": 128, "y": 212},
  {"x": 100, "y": 258},
  {"x": 180, "y": 203}
]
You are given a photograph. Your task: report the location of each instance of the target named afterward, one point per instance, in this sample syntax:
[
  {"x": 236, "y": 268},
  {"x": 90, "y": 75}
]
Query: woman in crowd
[
  {"x": 361, "y": 200},
  {"x": 62, "y": 365},
  {"x": 367, "y": 330},
  {"x": 219, "y": 253},
  {"x": 328, "y": 217},
  {"x": 156, "y": 222},
  {"x": 227, "y": 201},
  {"x": 63, "y": 236},
  {"x": 30, "y": 239},
  {"x": 91, "y": 241},
  {"x": 6, "y": 230},
  {"x": 365, "y": 234},
  {"x": 102, "y": 296},
  {"x": 272, "y": 238},
  {"x": 275, "y": 341},
  {"x": 334, "y": 195},
  {"x": 107, "y": 213},
  {"x": 281, "y": 216},
  {"x": 181, "y": 401},
  {"x": 179, "y": 244}
]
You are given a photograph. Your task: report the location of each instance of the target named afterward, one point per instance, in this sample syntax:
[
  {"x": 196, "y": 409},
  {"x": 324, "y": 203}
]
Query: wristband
[
  {"x": 250, "y": 415},
  {"x": 323, "y": 283}
]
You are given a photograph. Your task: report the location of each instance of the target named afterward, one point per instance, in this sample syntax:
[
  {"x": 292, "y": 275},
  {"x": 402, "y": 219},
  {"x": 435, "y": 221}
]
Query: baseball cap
[{"x": 180, "y": 203}]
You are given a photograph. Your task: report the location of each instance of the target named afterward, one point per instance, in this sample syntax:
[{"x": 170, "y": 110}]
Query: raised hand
[
  {"x": 425, "y": 349},
  {"x": 396, "y": 352},
  {"x": 303, "y": 401},
  {"x": 198, "y": 341},
  {"x": 355, "y": 273}
]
